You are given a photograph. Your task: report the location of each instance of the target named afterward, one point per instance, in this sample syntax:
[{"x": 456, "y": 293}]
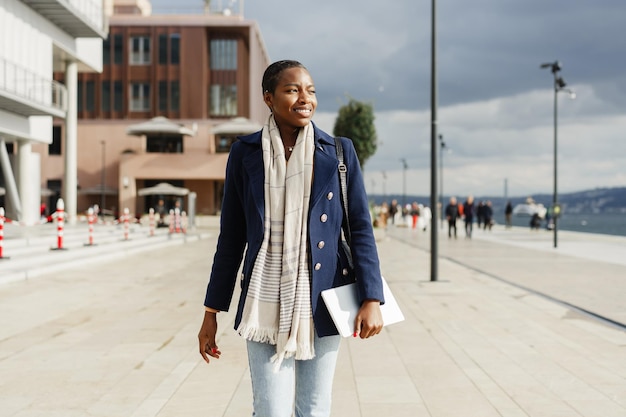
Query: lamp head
[{"x": 554, "y": 66}]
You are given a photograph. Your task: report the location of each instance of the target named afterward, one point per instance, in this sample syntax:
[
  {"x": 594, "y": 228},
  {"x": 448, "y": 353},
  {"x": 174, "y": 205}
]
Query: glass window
[
  {"x": 175, "y": 48},
  {"x": 139, "y": 97},
  {"x": 118, "y": 49},
  {"x": 163, "y": 96},
  {"x": 139, "y": 50},
  {"x": 79, "y": 92},
  {"x": 106, "y": 96},
  {"x": 90, "y": 100},
  {"x": 223, "y": 143},
  {"x": 175, "y": 96},
  {"x": 162, "y": 49},
  {"x": 164, "y": 144},
  {"x": 223, "y": 54},
  {"x": 118, "y": 96},
  {"x": 55, "y": 147},
  {"x": 106, "y": 51},
  {"x": 223, "y": 100}
]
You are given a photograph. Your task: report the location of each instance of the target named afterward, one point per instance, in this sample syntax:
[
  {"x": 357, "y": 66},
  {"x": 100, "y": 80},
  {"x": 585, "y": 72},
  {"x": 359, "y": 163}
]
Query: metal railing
[
  {"x": 32, "y": 87},
  {"x": 90, "y": 10},
  {"x": 213, "y": 7}
]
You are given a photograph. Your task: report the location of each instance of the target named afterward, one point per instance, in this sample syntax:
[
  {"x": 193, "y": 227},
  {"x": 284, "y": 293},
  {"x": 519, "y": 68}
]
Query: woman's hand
[
  {"x": 206, "y": 337},
  {"x": 369, "y": 320}
]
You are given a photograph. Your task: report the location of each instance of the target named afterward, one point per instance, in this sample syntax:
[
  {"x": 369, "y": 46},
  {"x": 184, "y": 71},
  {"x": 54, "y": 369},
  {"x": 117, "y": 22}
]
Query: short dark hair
[{"x": 273, "y": 72}]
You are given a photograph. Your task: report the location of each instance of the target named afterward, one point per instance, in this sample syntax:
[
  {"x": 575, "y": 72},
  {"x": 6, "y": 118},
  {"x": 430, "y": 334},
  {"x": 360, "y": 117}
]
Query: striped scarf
[{"x": 277, "y": 308}]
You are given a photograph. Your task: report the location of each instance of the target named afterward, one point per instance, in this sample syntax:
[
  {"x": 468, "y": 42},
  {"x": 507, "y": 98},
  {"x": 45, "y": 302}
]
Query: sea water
[{"x": 605, "y": 223}]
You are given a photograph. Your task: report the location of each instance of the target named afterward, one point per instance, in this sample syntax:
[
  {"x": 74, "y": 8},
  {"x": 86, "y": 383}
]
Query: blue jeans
[{"x": 307, "y": 383}]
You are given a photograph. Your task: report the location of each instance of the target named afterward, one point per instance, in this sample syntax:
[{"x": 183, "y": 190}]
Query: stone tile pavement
[{"x": 117, "y": 336}]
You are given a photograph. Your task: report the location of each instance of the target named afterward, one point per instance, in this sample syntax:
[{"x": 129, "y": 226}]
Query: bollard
[
  {"x": 171, "y": 221},
  {"x": 151, "y": 221},
  {"x": 91, "y": 219},
  {"x": 126, "y": 218},
  {"x": 2, "y": 234},
  {"x": 184, "y": 222},
  {"x": 177, "y": 219},
  {"x": 60, "y": 224}
]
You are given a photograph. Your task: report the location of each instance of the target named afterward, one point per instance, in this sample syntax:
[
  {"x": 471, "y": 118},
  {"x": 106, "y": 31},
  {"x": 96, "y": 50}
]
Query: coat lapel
[{"x": 324, "y": 168}]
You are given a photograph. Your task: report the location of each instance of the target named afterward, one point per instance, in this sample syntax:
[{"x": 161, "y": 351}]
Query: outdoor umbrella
[{"x": 163, "y": 188}]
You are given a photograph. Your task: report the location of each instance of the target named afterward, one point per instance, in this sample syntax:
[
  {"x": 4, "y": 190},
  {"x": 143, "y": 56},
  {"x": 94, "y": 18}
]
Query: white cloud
[{"x": 507, "y": 139}]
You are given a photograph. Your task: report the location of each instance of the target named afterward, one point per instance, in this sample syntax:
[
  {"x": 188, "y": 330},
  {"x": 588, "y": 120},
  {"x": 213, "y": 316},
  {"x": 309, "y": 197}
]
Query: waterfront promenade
[{"x": 509, "y": 329}]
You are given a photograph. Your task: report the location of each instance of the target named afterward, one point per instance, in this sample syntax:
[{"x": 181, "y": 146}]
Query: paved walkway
[{"x": 118, "y": 337}]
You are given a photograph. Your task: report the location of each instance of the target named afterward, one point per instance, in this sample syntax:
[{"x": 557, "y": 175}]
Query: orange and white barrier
[
  {"x": 184, "y": 221},
  {"x": 151, "y": 221},
  {"x": 60, "y": 215},
  {"x": 126, "y": 217},
  {"x": 91, "y": 219},
  {"x": 177, "y": 220},
  {"x": 171, "y": 221},
  {"x": 2, "y": 233}
]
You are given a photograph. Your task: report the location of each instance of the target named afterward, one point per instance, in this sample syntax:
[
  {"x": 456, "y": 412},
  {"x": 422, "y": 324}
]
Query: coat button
[
  {"x": 321, "y": 244},
  {"x": 330, "y": 195},
  {"x": 345, "y": 272},
  {"x": 318, "y": 266},
  {"x": 324, "y": 217}
]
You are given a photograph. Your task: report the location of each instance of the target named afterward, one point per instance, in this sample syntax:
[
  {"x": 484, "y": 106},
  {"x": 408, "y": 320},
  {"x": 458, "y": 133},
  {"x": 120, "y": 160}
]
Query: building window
[
  {"x": 79, "y": 93},
  {"x": 55, "y": 147},
  {"x": 175, "y": 48},
  {"x": 90, "y": 100},
  {"x": 139, "y": 97},
  {"x": 163, "y": 49},
  {"x": 118, "y": 49},
  {"x": 139, "y": 50},
  {"x": 118, "y": 96},
  {"x": 224, "y": 54},
  {"x": 162, "y": 96},
  {"x": 223, "y": 143},
  {"x": 106, "y": 51},
  {"x": 223, "y": 90},
  {"x": 164, "y": 144},
  {"x": 106, "y": 96},
  {"x": 175, "y": 96},
  {"x": 223, "y": 100}
]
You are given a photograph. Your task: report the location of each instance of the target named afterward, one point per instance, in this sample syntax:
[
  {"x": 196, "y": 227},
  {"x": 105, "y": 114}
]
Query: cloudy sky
[{"x": 495, "y": 107}]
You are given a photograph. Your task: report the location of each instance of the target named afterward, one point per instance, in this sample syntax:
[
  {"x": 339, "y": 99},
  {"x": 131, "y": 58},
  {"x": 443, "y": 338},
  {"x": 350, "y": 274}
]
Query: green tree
[{"x": 356, "y": 121}]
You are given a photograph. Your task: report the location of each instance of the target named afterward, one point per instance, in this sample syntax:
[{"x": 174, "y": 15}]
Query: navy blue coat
[{"x": 241, "y": 226}]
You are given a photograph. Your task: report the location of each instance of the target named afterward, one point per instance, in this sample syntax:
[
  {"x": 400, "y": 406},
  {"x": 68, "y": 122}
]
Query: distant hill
[{"x": 599, "y": 200}]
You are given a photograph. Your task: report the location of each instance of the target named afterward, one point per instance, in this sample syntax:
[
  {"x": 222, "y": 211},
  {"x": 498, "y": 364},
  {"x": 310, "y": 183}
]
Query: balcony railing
[
  {"x": 79, "y": 18},
  {"x": 27, "y": 93},
  {"x": 213, "y": 7}
]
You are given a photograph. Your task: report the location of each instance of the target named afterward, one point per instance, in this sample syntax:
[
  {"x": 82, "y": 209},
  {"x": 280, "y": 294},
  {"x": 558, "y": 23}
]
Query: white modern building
[{"x": 37, "y": 38}]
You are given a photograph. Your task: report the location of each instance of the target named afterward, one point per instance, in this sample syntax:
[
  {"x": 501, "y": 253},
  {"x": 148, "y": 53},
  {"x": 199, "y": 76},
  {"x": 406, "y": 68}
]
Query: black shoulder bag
[{"x": 345, "y": 224}]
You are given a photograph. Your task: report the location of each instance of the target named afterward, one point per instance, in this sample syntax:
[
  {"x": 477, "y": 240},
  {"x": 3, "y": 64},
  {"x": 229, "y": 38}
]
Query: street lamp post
[
  {"x": 434, "y": 244},
  {"x": 103, "y": 180},
  {"x": 404, "y": 168},
  {"x": 384, "y": 185},
  {"x": 559, "y": 85},
  {"x": 442, "y": 147}
]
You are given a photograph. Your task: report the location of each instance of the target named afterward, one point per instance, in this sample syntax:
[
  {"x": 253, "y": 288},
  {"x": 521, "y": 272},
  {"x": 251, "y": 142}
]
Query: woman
[{"x": 283, "y": 181}]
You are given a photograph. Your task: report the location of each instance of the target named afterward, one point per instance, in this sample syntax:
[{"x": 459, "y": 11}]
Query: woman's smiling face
[{"x": 293, "y": 102}]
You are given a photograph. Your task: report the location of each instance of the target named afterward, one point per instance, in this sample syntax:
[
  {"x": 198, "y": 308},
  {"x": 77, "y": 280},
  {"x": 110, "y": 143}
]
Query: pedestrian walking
[
  {"x": 452, "y": 214},
  {"x": 508, "y": 215},
  {"x": 469, "y": 212},
  {"x": 282, "y": 202}
]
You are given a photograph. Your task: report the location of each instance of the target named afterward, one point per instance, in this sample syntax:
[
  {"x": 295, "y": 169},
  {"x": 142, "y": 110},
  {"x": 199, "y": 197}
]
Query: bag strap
[{"x": 343, "y": 182}]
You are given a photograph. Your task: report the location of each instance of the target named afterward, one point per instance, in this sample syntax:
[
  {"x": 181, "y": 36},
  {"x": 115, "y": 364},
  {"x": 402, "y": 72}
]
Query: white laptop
[{"x": 343, "y": 305}]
